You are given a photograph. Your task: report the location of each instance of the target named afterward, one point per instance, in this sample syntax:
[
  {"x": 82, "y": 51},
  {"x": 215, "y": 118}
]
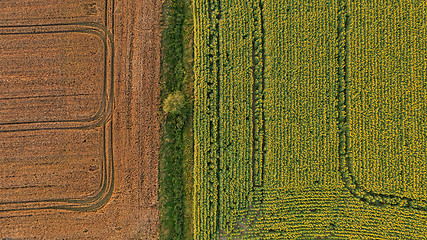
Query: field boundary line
[
  {"x": 345, "y": 154},
  {"x": 258, "y": 98},
  {"x": 103, "y": 113},
  {"x": 103, "y": 194}
]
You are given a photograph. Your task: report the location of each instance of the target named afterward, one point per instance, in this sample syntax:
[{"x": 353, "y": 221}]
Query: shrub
[{"x": 174, "y": 103}]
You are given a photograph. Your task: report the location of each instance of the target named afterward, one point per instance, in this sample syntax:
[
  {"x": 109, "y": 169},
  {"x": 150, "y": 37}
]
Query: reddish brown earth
[{"x": 79, "y": 124}]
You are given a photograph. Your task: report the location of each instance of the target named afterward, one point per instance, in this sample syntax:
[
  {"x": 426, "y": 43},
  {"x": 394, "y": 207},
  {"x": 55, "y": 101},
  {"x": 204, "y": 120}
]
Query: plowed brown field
[{"x": 79, "y": 124}]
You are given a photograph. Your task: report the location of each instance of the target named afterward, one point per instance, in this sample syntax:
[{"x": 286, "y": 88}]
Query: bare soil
[{"x": 79, "y": 124}]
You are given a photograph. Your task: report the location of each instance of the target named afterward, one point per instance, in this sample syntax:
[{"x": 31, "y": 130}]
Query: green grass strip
[{"x": 176, "y": 156}]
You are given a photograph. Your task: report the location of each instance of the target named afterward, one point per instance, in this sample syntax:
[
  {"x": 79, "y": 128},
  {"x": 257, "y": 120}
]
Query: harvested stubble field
[
  {"x": 309, "y": 119},
  {"x": 79, "y": 125}
]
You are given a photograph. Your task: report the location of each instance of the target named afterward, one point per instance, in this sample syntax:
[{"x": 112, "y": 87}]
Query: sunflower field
[{"x": 310, "y": 119}]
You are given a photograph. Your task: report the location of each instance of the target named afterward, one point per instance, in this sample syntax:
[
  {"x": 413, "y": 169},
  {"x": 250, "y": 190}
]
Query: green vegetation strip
[{"x": 176, "y": 159}]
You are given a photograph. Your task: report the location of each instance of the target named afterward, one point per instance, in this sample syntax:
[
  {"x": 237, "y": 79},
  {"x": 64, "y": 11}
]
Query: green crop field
[{"x": 310, "y": 119}]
